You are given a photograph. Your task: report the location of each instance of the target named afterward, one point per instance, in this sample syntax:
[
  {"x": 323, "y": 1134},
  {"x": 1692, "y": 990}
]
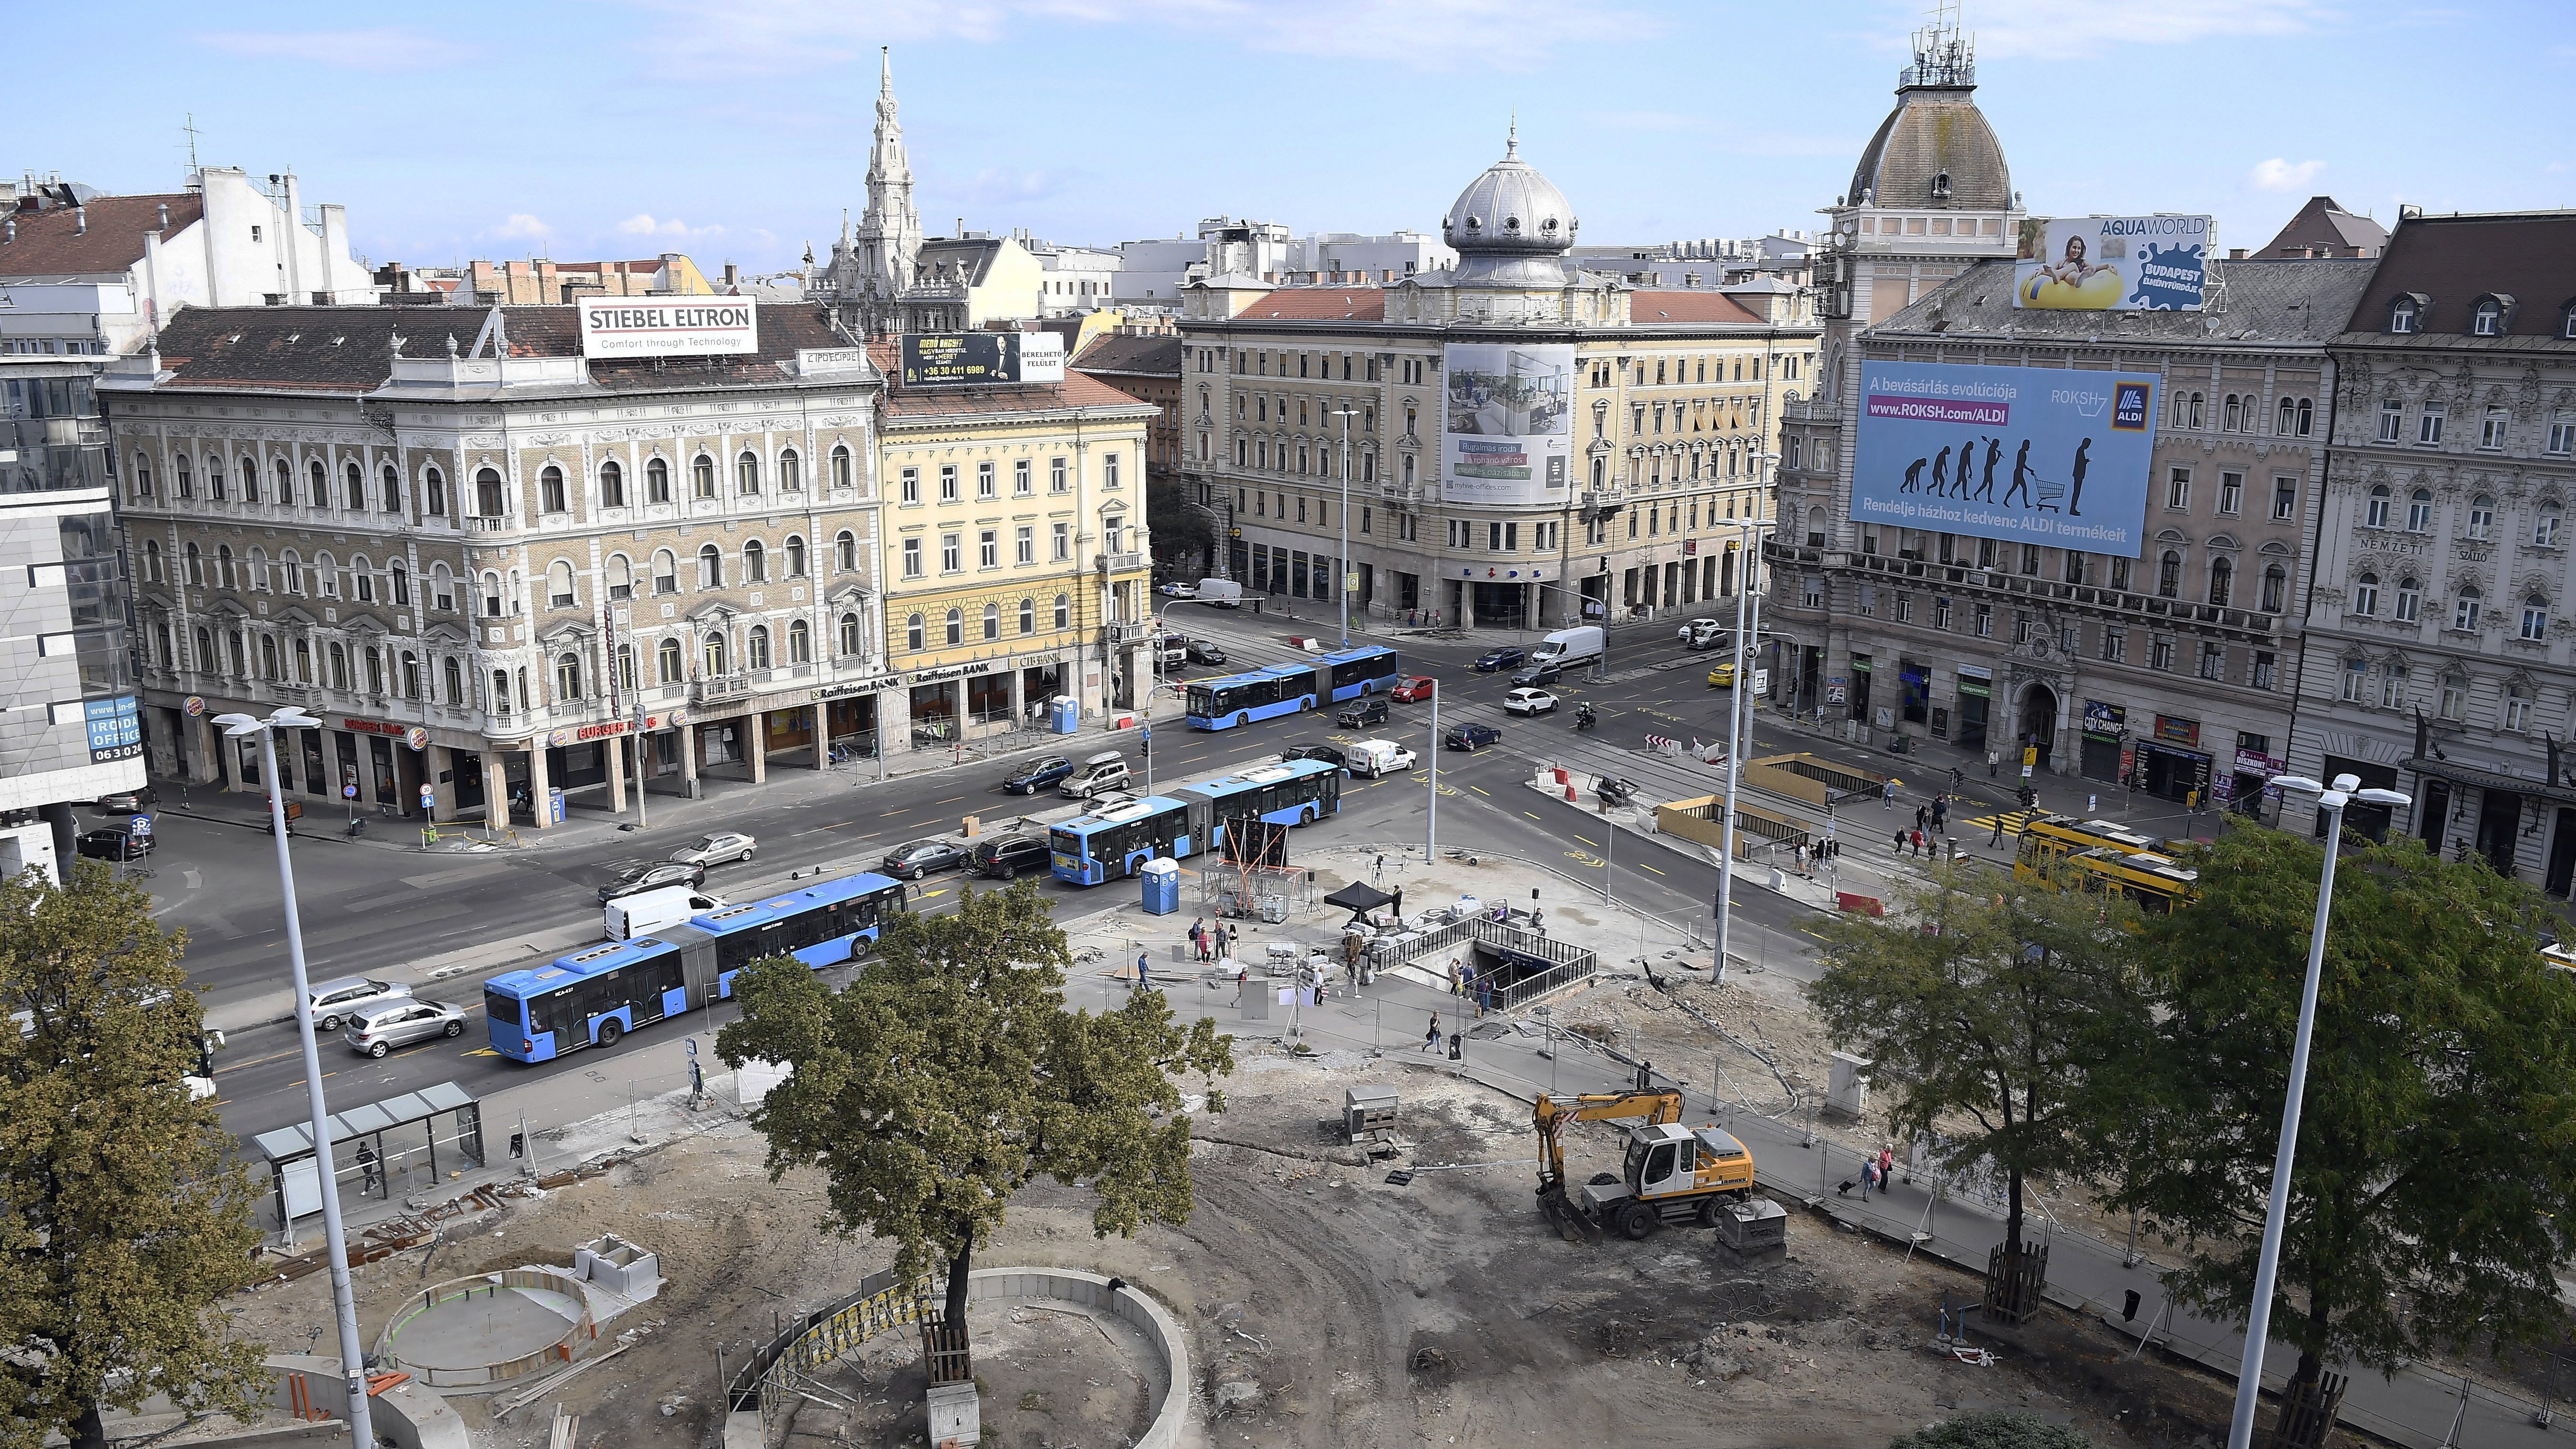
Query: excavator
[{"x": 1673, "y": 1174}]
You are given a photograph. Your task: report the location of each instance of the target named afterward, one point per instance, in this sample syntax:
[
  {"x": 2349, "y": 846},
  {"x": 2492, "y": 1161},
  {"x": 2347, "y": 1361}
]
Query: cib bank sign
[{"x": 669, "y": 326}]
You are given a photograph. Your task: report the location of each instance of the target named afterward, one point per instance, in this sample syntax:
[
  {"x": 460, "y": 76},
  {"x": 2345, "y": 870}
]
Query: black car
[
  {"x": 920, "y": 858},
  {"x": 1471, "y": 736},
  {"x": 111, "y": 844},
  {"x": 1537, "y": 674},
  {"x": 1493, "y": 659},
  {"x": 1362, "y": 712},
  {"x": 1326, "y": 753},
  {"x": 652, "y": 875},
  {"x": 127, "y": 802},
  {"x": 1009, "y": 857},
  {"x": 1038, "y": 775},
  {"x": 1203, "y": 652}
]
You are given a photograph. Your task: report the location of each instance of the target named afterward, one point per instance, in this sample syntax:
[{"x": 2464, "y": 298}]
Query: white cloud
[
  {"x": 523, "y": 227},
  {"x": 2085, "y": 29},
  {"x": 2278, "y": 174},
  {"x": 381, "y": 48},
  {"x": 669, "y": 228}
]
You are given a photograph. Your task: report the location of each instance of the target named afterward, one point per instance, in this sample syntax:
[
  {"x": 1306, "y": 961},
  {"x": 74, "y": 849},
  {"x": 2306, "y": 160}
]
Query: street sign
[{"x": 140, "y": 827}]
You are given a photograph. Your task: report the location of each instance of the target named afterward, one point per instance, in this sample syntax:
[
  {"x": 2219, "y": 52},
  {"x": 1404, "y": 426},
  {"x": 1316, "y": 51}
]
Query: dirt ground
[{"x": 1325, "y": 1305}]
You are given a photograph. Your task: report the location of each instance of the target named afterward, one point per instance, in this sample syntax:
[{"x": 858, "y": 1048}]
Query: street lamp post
[
  {"x": 2258, "y": 1323},
  {"x": 335, "y": 1242},
  {"x": 1342, "y": 568}
]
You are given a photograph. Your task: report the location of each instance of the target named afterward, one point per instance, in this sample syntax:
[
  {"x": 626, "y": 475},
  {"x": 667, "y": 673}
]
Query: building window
[
  {"x": 2464, "y": 609},
  {"x": 2428, "y": 427},
  {"x": 550, "y": 490},
  {"x": 2535, "y": 618},
  {"x": 612, "y": 486},
  {"x": 2356, "y": 671},
  {"x": 2481, "y": 517},
  {"x": 2410, "y": 600},
  {"x": 913, "y": 637},
  {"x": 703, "y": 475},
  {"x": 2376, "y": 514},
  {"x": 657, "y": 481},
  {"x": 710, "y": 567},
  {"x": 2392, "y": 420},
  {"x": 912, "y": 558}
]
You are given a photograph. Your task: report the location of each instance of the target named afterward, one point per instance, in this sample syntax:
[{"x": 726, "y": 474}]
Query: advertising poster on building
[
  {"x": 981, "y": 359},
  {"x": 1507, "y": 424},
  {"x": 2112, "y": 263},
  {"x": 2042, "y": 455},
  {"x": 613, "y": 327}
]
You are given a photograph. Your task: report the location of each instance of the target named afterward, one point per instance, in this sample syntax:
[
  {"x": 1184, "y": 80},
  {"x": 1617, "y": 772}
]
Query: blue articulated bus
[
  {"x": 1115, "y": 843},
  {"x": 595, "y": 996},
  {"x": 1354, "y": 672}
]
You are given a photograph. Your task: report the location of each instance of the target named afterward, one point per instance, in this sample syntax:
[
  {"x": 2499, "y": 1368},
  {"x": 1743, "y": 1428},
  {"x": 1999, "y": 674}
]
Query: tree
[
  {"x": 2434, "y": 1157},
  {"x": 123, "y": 1219},
  {"x": 1985, "y": 1005},
  {"x": 1993, "y": 1429},
  {"x": 950, "y": 1075}
]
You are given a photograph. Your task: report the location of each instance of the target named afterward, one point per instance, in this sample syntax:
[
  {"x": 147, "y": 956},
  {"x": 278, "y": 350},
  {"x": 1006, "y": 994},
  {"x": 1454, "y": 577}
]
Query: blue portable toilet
[
  {"x": 1162, "y": 879},
  {"x": 1068, "y": 714}
]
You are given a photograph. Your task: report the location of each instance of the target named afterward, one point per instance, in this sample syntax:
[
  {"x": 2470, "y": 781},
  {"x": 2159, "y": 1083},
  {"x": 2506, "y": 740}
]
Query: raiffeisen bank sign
[{"x": 669, "y": 326}]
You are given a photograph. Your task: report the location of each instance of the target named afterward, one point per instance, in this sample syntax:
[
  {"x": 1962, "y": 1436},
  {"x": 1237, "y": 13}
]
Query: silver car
[
  {"x": 400, "y": 1024},
  {"x": 716, "y": 849}
]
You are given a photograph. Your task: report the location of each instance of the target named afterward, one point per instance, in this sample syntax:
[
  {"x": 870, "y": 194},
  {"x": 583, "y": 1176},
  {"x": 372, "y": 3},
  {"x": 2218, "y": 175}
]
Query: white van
[
  {"x": 1569, "y": 648},
  {"x": 1374, "y": 758},
  {"x": 645, "y": 912},
  {"x": 1104, "y": 771}
]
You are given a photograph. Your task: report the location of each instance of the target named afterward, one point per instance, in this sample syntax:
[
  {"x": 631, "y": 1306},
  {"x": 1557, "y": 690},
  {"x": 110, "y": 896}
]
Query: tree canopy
[
  {"x": 950, "y": 1075},
  {"x": 123, "y": 1220},
  {"x": 2434, "y": 1155}
]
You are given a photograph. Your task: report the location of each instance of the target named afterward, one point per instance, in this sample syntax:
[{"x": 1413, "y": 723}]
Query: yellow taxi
[{"x": 1723, "y": 676}]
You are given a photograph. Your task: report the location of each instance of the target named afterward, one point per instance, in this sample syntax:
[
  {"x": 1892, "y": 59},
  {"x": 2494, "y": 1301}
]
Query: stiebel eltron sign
[{"x": 669, "y": 326}]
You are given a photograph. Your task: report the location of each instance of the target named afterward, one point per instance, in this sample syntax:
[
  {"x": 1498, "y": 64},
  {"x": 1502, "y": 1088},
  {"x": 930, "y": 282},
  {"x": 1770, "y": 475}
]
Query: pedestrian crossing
[{"x": 2013, "y": 821}]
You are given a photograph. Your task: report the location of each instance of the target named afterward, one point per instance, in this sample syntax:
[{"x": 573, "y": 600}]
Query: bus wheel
[{"x": 609, "y": 1032}]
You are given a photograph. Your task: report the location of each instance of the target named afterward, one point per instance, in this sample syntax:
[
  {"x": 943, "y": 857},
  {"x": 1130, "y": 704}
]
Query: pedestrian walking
[{"x": 1431, "y": 1038}]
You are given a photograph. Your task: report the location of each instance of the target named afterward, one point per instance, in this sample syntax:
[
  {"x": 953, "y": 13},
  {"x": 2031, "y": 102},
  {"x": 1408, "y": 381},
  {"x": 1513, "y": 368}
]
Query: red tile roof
[
  {"x": 1319, "y": 304},
  {"x": 1648, "y": 309},
  {"x": 1078, "y": 390},
  {"x": 51, "y": 243}
]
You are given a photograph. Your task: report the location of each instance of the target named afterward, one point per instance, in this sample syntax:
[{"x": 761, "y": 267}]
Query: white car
[
  {"x": 1529, "y": 701},
  {"x": 716, "y": 849}
]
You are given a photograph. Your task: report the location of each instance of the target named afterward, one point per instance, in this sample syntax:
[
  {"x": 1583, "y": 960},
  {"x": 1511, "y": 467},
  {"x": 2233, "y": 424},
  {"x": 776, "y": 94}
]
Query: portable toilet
[
  {"x": 1162, "y": 879},
  {"x": 1067, "y": 714}
]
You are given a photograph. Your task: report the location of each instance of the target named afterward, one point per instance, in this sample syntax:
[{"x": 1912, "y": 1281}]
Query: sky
[{"x": 739, "y": 132}]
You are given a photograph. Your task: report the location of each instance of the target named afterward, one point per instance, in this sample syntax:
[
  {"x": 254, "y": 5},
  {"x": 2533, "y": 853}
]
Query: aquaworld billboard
[{"x": 2053, "y": 456}]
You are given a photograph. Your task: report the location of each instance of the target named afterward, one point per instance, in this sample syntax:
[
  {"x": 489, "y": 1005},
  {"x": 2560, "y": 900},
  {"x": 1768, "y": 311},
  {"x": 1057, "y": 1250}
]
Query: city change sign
[
  {"x": 2112, "y": 263},
  {"x": 620, "y": 327},
  {"x": 2053, "y": 456}
]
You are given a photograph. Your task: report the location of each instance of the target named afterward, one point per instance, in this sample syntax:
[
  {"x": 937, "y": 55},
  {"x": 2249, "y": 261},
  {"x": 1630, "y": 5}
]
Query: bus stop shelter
[{"x": 398, "y": 1142}]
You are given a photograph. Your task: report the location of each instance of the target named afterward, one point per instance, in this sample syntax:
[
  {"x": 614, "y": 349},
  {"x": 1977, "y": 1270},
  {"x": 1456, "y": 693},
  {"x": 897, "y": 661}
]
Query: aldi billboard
[
  {"x": 669, "y": 326},
  {"x": 2054, "y": 456}
]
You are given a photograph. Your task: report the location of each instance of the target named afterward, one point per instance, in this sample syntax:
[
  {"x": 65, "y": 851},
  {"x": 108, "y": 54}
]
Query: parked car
[
  {"x": 1204, "y": 652},
  {"x": 921, "y": 857},
  {"x": 1723, "y": 676},
  {"x": 126, "y": 802},
  {"x": 1178, "y": 591},
  {"x": 1101, "y": 773},
  {"x": 716, "y": 849},
  {"x": 648, "y": 875},
  {"x": 109, "y": 843},
  {"x": 1471, "y": 736},
  {"x": 1008, "y": 857},
  {"x": 1413, "y": 689},
  {"x": 1615, "y": 790},
  {"x": 337, "y": 1001},
  {"x": 380, "y": 1029},
  {"x": 1537, "y": 674},
  {"x": 1493, "y": 659},
  {"x": 1529, "y": 701},
  {"x": 1362, "y": 712},
  {"x": 1037, "y": 775},
  {"x": 1329, "y": 754}
]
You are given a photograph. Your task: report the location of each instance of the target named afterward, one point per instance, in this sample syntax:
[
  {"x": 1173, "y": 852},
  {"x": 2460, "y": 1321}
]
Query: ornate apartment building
[
  {"x": 493, "y": 568},
  {"x": 2442, "y": 658},
  {"x": 1668, "y": 406}
]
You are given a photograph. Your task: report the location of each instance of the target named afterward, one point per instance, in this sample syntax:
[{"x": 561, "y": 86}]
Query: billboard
[
  {"x": 2043, "y": 455},
  {"x": 977, "y": 359},
  {"x": 2112, "y": 263},
  {"x": 668, "y": 326},
  {"x": 1507, "y": 424}
]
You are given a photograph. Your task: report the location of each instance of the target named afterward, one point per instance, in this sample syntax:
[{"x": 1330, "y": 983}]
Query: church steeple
[{"x": 890, "y": 229}]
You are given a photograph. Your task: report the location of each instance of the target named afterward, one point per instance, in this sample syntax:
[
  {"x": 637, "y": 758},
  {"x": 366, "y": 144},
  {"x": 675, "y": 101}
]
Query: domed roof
[
  {"x": 1510, "y": 209},
  {"x": 1934, "y": 150}
]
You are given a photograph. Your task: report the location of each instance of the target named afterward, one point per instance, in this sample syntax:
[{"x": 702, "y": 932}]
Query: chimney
[{"x": 80, "y": 221}]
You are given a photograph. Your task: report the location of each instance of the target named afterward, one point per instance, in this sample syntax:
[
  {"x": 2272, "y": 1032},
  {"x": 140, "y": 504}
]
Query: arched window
[
  {"x": 2365, "y": 595},
  {"x": 2169, "y": 576},
  {"x": 746, "y": 473},
  {"x": 711, "y": 655},
  {"x": 992, "y": 621},
  {"x": 800, "y": 642},
  {"x": 845, "y": 552},
  {"x": 956, "y": 626},
  {"x": 487, "y": 492},
  {"x": 710, "y": 567},
  {"x": 666, "y": 662},
  {"x": 568, "y": 678},
  {"x": 755, "y": 562},
  {"x": 2419, "y": 511},
  {"x": 559, "y": 584},
  {"x": 392, "y": 480},
  {"x": 657, "y": 481},
  {"x": 437, "y": 482},
  {"x": 1063, "y": 611},
  {"x": 550, "y": 490},
  {"x": 2376, "y": 515},
  {"x": 912, "y": 634},
  {"x": 703, "y": 476},
  {"x": 795, "y": 562},
  {"x": 759, "y": 651},
  {"x": 2464, "y": 608},
  {"x": 2276, "y": 588},
  {"x": 197, "y": 567},
  {"x": 357, "y": 480},
  {"x": 1028, "y": 616},
  {"x": 666, "y": 572},
  {"x": 2410, "y": 601},
  {"x": 612, "y": 485},
  {"x": 849, "y": 635},
  {"x": 840, "y": 466},
  {"x": 791, "y": 471},
  {"x": 455, "y": 676},
  {"x": 2222, "y": 581},
  {"x": 621, "y": 577}
]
